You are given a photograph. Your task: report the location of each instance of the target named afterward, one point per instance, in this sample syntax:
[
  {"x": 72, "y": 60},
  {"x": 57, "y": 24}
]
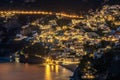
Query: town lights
[
  {"x": 30, "y": 12},
  {"x": 41, "y": 12}
]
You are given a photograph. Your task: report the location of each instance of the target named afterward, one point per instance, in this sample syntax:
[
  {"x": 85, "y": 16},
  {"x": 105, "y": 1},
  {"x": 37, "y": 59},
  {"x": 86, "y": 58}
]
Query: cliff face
[{"x": 8, "y": 30}]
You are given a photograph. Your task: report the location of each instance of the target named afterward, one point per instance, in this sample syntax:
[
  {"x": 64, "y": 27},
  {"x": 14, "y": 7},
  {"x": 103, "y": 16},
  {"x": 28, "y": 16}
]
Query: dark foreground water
[{"x": 33, "y": 72}]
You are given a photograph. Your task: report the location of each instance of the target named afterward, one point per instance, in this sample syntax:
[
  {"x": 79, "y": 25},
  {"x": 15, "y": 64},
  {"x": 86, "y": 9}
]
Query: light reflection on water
[
  {"x": 56, "y": 72},
  {"x": 33, "y": 72},
  {"x": 54, "y": 68},
  {"x": 48, "y": 74}
]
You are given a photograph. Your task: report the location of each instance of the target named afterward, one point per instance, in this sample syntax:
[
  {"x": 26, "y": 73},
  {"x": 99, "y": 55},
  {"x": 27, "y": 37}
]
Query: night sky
[{"x": 57, "y": 5}]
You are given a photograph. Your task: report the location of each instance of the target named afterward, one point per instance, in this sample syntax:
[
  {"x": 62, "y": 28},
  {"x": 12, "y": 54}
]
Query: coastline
[{"x": 70, "y": 67}]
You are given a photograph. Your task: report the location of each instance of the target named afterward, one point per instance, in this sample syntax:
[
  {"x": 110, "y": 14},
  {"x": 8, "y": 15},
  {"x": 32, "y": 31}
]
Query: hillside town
[{"x": 92, "y": 40}]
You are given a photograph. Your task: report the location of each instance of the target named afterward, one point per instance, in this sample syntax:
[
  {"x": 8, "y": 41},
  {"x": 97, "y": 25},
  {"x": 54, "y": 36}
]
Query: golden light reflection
[
  {"x": 52, "y": 67},
  {"x": 47, "y": 73},
  {"x": 56, "y": 68}
]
